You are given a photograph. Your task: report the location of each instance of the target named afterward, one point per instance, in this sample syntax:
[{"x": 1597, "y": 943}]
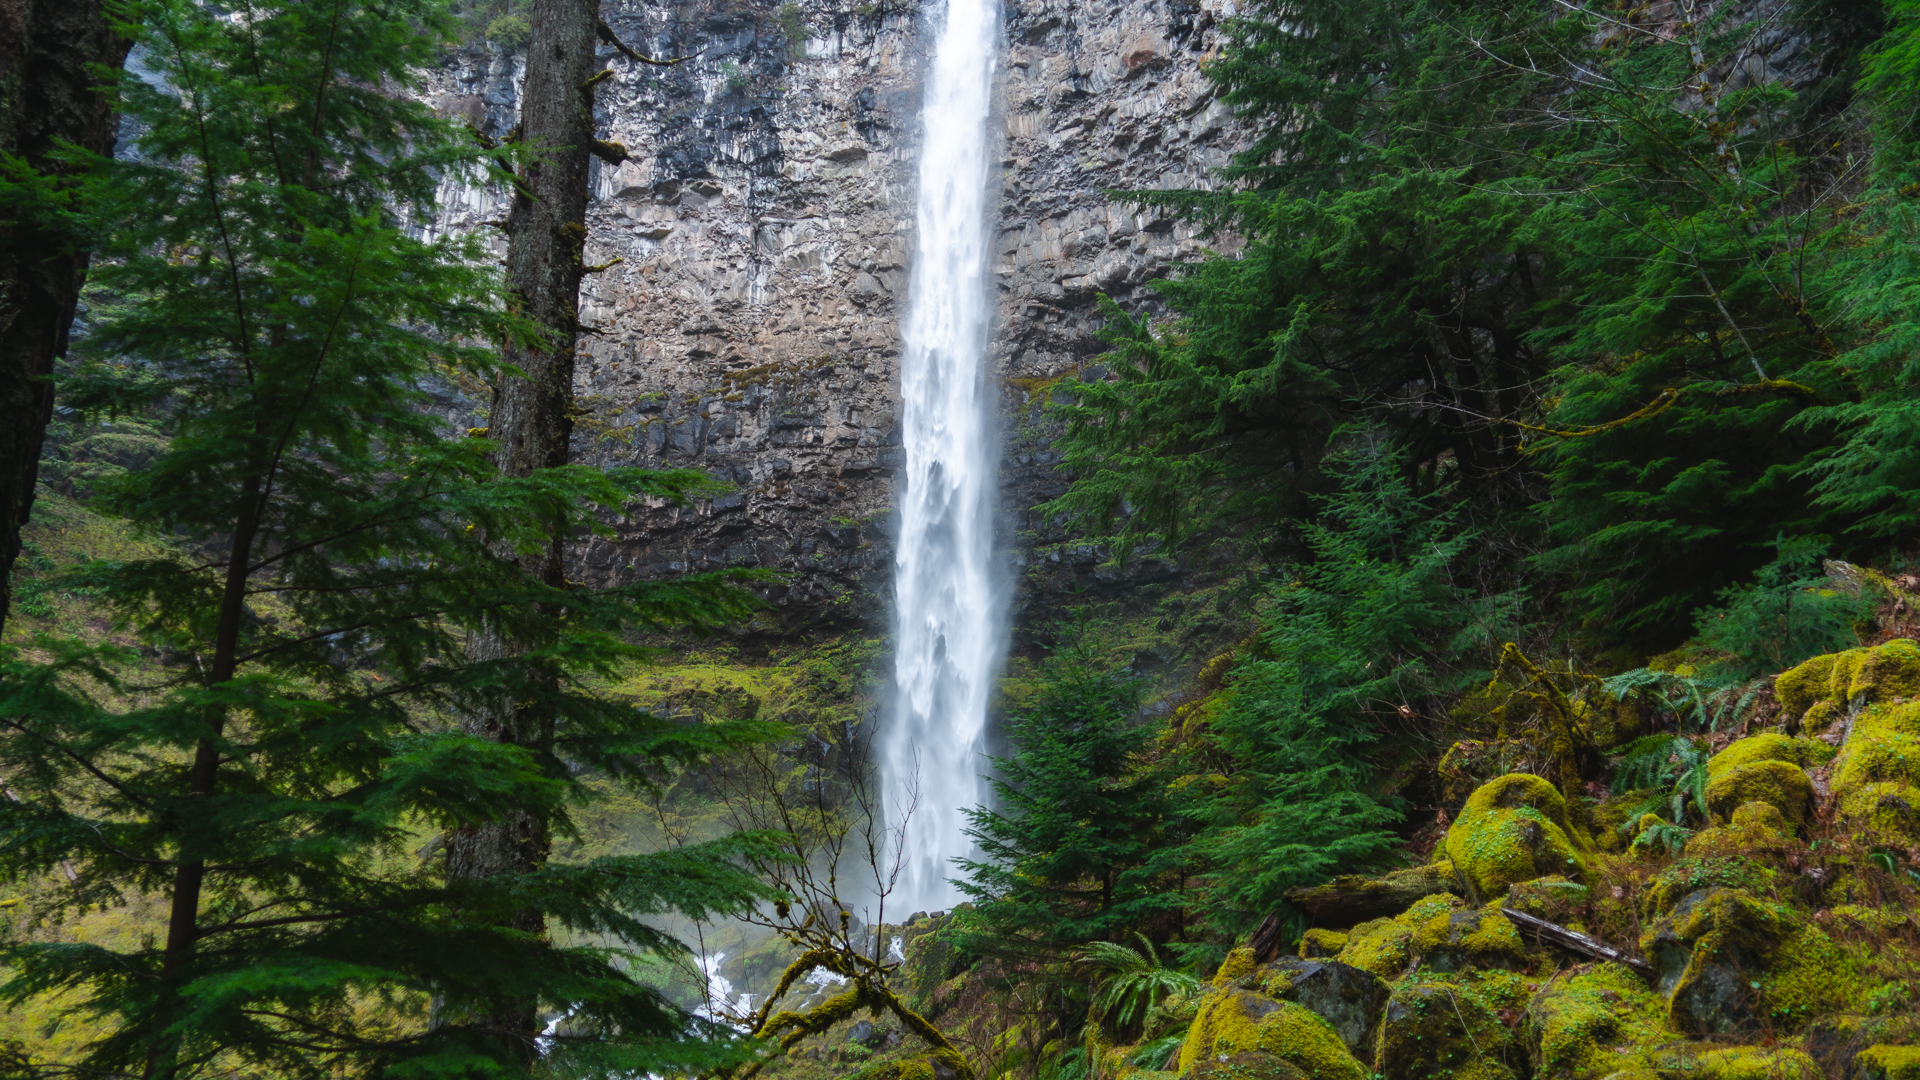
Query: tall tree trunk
[
  {"x": 532, "y": 419},
  {"x": 48, "y": 93}
]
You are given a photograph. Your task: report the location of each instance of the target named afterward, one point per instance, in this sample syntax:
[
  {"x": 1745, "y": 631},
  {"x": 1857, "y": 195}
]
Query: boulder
[
  {"x": 1348, "y": 998},
  {"x": 1233, "y": 1021},
  {"x": 1437, "y": 1029},
  {"x": 1465, "y": 940},
  {"x": 1577, "y": 1026},
  {"x": 1757, "y": 828},
  {"x": 1885, "y": 1062},
  {"x": 1710, "y": 952},
  {"x": 1316, "y": 944},
  {"x": 1257, "y": 1065},
  {"x": 1780, "y": 784},
  {"x": 1381, "y": 946},
  {"x": 1756, "y": 1063},
  {"x": 1512, "y": 829}
]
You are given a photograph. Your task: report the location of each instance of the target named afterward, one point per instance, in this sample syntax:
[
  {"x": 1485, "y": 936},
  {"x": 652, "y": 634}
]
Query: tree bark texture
[
  {"x": 49, "y": 93},
  {"x": 531, "y": 422}
]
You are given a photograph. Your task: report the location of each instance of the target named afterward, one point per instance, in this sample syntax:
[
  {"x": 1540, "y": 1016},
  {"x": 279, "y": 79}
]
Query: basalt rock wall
[{"x": 756, "y": 245}]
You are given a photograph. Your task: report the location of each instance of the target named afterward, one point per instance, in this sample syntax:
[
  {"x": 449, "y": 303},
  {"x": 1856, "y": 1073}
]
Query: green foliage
[
  {"x": 1159, "y": 1053},
  {"x": 1675, "y": 768},
  {"x": 1373, "y": 623},
  {"x": 1084, "y": 842},
  {"x": 1131, "y": 982},
  {"x": 1789, "y": 613},
  {"x": 1673, "y": 324},
  {"x": 793, "y": 27},
  {"x": 329, "y": 550},
  {"x": 511, "y": 30}
]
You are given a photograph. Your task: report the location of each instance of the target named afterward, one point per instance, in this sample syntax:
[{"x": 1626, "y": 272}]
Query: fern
[
  {"x": 1159, "y": 1053},
  {"x": 1133, "y": 982},
  {"x": 1673, "y": 765}
]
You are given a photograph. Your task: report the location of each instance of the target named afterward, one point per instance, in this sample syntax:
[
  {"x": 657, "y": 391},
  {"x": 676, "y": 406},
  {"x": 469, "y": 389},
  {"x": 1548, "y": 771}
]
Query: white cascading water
[{"x": 948, "y": 608}]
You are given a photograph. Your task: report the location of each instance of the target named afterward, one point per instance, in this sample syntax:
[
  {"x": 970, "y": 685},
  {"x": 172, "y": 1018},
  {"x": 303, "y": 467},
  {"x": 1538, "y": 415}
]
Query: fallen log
[
  {"x": 1351, "y": 900},
  {"x": 1576, "y": 942}
]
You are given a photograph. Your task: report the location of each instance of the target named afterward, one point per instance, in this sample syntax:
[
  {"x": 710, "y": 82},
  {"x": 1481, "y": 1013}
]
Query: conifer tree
[
  {"x": 274, "y": 778},
  {"x": 1084, "y": 842}
]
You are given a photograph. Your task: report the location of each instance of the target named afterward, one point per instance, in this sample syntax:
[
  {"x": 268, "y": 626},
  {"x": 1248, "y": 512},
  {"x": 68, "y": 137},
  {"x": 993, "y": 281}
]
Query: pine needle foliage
[
  {"x": 1372, "y": 624},
  {"x": 1085, "y": 840},
  {"x": 273, "y": 778}
]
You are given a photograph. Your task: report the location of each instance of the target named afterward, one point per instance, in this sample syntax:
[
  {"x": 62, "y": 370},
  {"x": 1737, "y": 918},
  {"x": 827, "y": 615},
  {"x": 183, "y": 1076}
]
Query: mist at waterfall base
[{"x": 949, "y": 609}]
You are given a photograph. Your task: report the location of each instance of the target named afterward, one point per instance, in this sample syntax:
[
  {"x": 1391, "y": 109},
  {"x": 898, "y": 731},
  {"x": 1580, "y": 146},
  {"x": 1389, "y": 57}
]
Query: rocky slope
[{"x": 763, "y": 227}]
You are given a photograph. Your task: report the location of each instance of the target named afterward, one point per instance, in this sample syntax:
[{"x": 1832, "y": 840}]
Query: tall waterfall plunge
[{"x": 949, "y": 611}]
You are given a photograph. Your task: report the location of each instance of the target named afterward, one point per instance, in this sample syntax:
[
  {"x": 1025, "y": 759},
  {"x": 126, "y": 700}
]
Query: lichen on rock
[
  {"x": 1513, "y": 829},
  {"x": 1710, "y": 952}
]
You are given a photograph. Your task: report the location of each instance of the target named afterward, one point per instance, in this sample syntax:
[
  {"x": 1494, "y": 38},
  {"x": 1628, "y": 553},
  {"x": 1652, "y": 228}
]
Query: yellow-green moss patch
[
  {"x": 1577, "y": 1024},
  {"x": 1888, "y": 1063},
  {"x": 1315, "y": 944},
  {"x": 1513, "y": 829},
  {"x": 1781, "y": 784},
  {"x": 1236, "y": 1021},
  {"x": 1477, "y": 938},
  {"x": 1770, "y": 746}
]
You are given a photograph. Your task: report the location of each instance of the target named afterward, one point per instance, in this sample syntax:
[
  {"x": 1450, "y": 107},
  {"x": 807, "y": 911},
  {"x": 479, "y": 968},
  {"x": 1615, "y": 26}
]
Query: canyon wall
[{"x": 756, "y": 245}]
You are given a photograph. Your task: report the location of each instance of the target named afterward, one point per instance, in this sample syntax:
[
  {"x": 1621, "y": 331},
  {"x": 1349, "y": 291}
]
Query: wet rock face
[{"x": 757, "y": 242}]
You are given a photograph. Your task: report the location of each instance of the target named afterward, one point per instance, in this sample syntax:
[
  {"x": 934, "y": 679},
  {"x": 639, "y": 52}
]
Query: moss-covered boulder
[
  {"x": 1770, "y": 746},
  {"x": 1692, "y": 874},
  {"x": 1780, "y": 784},
  {"x": 1247, "y": 1066},
  {"x": 1512, "y": 829},
  {"x": 1577, "y": 1026},
  {"x": 1888, "y": 1063},
  {"x": 1876, "y": 777},
  {"x": 1823, "y": 688},
  {"x": 1348, "y": 998},
  {"x": 1234, "y": 1021},
  {"x": 1318, "y": 943},
  {"x": 1440, "y": 1030},
  {"x": 1756, "y": 1063},
  {"x": 1382, "y": 945},
  {"x": 1553, "y": 898},
  {"x": 1710, "y": 952},
  {"x": 1757, "y": 828},
  {"x": 1468, "y": 939}
]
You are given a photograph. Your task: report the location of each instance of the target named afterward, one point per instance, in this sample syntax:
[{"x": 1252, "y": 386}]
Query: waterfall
[{"x": 948, "y": 611}]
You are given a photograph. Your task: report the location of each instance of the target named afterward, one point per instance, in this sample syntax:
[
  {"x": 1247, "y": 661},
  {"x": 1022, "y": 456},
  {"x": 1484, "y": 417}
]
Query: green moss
[
  {"x": 1513, "y": 829},
  {"x": 1781, "y": 784},
  {"x": 1888, "y": 1063},
  {"x": 1576, "y": 1024},
  {"x": 1553, "y": 898},
  {"x": 1800, "y": 688},
  {"x": 1315, "y": 944},
  {"x": 1887, "y": 673},
  {"x": 1770, "y": 746},
  {"x": 1756, "y": 1063},
  {"x": 1756, "y": 828},
  {"x": 1437, "y": 1030},
  {"x": 1888, "y": 810},
  {"x": 1234, "y": 1022},
  {"x": 1254, "y": 1066},
  {"x": 1692, "y": 874},
  {"x": 1810, "y": 976},
  {"x": 1459, "y": 940},
  {"x": 1235, "y": 968},
  {"x": 1709, "y": 952},
  {"x": 1379, "y": 946}
]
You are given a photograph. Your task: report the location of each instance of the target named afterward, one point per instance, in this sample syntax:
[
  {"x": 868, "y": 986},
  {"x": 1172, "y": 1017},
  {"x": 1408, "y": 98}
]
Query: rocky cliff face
[{"x": 759, "y": 238}]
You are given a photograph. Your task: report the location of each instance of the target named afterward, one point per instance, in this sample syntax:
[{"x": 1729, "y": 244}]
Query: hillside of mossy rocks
[{"x": 1545, "y": 938}]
